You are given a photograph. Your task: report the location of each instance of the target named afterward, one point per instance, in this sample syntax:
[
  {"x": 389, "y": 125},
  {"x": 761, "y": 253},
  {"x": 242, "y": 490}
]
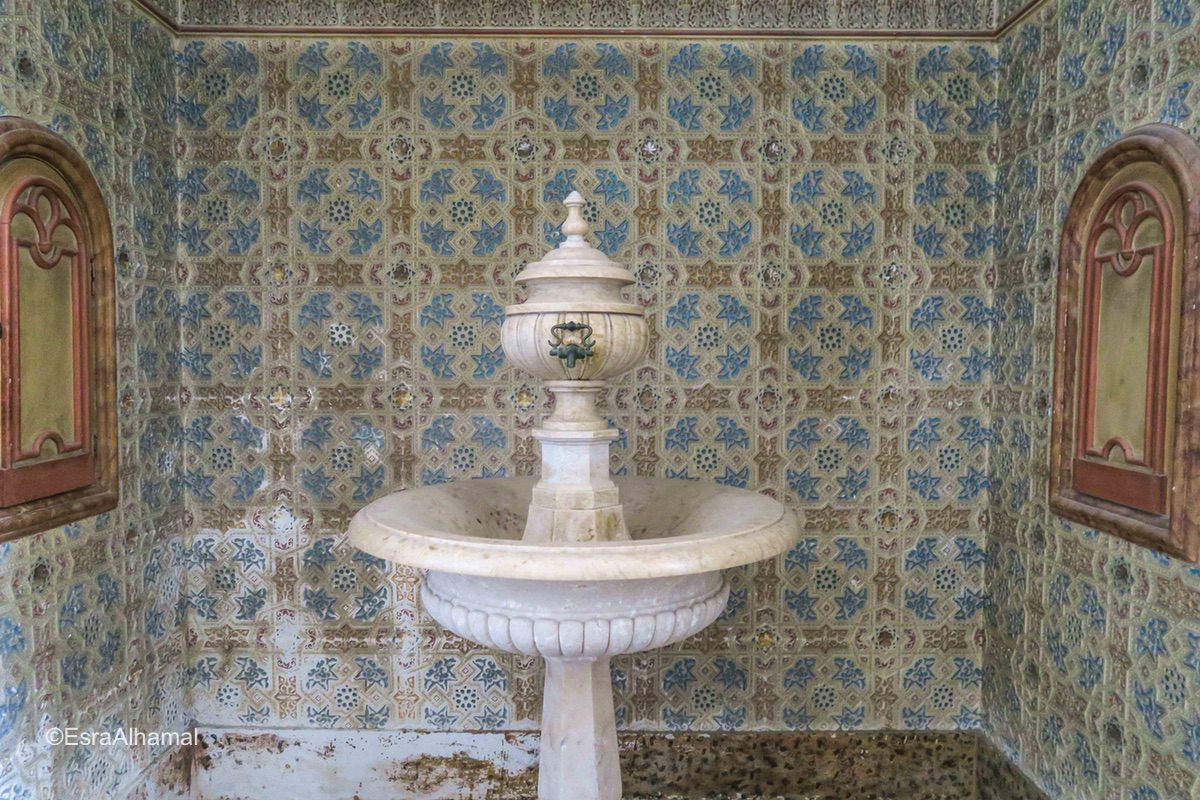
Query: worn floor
[{"x": 879, "y": 765}]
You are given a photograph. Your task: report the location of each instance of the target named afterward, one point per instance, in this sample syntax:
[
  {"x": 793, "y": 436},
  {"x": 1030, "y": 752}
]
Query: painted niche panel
[
  {"x": 46, "y": 424},
  {"x": 57, "y": 436},
  {"x": 1122, "y": 456}
]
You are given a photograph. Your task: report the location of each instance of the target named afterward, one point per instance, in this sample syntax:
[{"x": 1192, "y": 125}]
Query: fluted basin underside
[
  {"x": 587, "y": 620},
  {"x": 474, "y": 528}
]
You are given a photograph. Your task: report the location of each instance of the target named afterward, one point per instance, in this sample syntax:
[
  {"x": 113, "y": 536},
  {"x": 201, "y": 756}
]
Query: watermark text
[{"x": 128, "y": 737}]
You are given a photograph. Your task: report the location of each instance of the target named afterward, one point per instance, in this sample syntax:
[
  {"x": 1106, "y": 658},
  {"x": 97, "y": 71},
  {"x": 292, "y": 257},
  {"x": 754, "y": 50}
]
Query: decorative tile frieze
[{"x": 653, "y": 16}]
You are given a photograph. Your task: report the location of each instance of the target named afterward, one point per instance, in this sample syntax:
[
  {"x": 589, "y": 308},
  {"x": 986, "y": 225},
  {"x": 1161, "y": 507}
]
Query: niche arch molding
[
  {"x": 46, "y": 186},
  {"x": 1144, "y": 486}
]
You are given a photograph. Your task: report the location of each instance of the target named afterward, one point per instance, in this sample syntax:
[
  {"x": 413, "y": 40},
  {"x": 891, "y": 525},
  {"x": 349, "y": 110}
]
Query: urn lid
[{"x": 573, "y": 259}]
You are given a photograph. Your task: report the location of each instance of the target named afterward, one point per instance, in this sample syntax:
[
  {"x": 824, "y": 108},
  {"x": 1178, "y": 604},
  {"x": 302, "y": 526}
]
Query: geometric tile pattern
[
  {"x": 1092, "y": 665},
  {"x": 813, "y": 261}
]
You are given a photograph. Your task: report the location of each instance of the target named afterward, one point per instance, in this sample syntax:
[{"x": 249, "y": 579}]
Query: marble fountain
[{"x": 575, "y": 568}]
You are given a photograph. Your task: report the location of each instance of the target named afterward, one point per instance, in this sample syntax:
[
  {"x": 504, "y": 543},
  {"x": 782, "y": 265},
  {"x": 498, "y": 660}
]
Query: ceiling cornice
[{"x": 870, "y": 18}]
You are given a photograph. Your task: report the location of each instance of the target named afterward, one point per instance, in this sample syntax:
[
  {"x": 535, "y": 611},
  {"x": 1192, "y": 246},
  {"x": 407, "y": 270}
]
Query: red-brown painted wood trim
[
  {"x": 1123, "y": 483},
  {"x": 1145, "y": 491},
  {"x": 22, "y": 484},
  {"x": 10, "y": 362},
  {"x": 21, "y": 138},
  {"x": 1139, "y": 527},
  {"x": 1179, "y": 532}
]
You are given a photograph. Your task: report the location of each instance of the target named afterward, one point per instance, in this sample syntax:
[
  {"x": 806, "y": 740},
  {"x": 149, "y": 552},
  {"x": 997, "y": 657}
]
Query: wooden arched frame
[
  {"x": 1144, "y": 486},
  {"x": 53, "y": 217}
]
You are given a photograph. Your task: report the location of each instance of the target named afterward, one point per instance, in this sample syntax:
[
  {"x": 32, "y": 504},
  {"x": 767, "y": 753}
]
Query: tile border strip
[{"x": 177, "y": 28}]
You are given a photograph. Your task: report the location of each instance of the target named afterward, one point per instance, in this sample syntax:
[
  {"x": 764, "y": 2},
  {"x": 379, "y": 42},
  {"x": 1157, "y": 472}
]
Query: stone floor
[
  {"x": 802, "y": 765},
  {"x": 821, "y": 765}
]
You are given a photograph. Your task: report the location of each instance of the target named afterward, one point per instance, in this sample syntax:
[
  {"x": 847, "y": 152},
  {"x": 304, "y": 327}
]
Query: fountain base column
[
  {"x": 576, "y": 500},
  {"x": 576, "y": 626},
  {"x": 579, "y": 733}
]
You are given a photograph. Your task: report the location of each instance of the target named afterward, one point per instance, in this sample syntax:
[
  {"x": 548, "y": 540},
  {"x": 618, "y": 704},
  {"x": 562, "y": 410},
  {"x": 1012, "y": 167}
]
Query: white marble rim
[{"x": 390, "y": 528}]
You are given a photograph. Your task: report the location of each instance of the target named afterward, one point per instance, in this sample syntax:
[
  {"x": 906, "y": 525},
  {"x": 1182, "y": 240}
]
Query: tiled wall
[
  {"x": 811, "y": 228},
  {"x": 90, "y": 631},
  {"x": 1093, "y": 648}
]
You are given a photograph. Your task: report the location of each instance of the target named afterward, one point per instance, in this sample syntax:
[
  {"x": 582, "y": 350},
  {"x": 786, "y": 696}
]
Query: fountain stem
[
  {"x": 579, "y": 734},
  {"x": 576, "y": 500}
]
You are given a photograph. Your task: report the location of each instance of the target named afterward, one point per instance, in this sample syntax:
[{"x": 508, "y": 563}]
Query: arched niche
[
  {"x": 1125, "y": 447},
  {"x": 58, "y": 428}
]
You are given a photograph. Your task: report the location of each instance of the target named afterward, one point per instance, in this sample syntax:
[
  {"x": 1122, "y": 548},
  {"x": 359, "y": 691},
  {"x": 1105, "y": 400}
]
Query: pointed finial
[{"x": 575, "y": 227}]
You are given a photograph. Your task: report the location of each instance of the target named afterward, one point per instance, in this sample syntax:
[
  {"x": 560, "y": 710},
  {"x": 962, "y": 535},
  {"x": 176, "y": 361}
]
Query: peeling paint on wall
[{"x": 364, "y": 765}]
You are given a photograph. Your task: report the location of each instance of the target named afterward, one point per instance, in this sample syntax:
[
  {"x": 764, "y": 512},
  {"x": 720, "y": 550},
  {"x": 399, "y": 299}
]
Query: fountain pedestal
[
  {"x": 577, "y": 627},
  {"x": 579, "y": 732},
  {"x": 576, "y": 500}
]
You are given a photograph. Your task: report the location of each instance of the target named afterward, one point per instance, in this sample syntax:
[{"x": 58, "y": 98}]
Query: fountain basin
[{"x": 474, "y": 527}]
